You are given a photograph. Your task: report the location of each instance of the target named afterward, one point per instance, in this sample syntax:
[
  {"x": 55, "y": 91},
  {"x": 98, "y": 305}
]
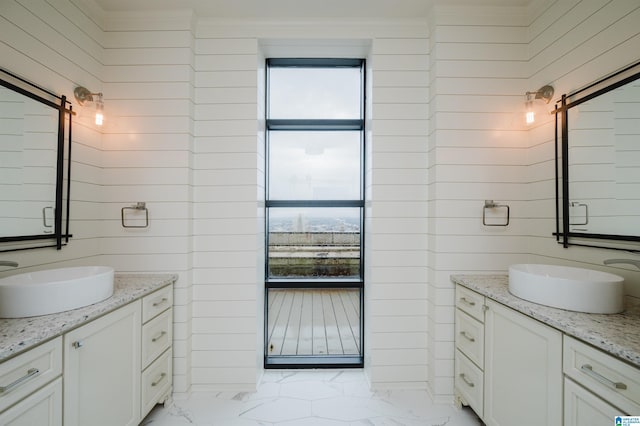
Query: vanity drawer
[
  {"x": 157, "y": 302},
  {"x": 470, "y": 337},
  {"x": 469, "y": 383},
  {"x": 470, "y": 302},
  {"x": 156, "y": 337},
  {"x": 28, "y": 372},
  {"x": 610, "y": 378},
  {"x": 582, "y": 408},
  {"x": 42, "y": 408},
  {"x": 156, "y": 382}
]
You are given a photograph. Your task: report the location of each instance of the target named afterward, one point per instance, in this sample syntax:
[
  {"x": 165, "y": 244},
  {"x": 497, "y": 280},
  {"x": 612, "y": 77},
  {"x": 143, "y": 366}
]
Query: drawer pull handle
[
  {"x": 77, "y": 344},
  {"x": 467, "y": 381},
  {"x": 588, "y": 370},
  {"x": 159, "y": 379},
  {"x": 160, "y": 302},
  {"x": 158, "y": 336},
  {"x": 468, "y": 302},
  {"x": 31, "y": 373},
  {"x": 467, "y": 336}
]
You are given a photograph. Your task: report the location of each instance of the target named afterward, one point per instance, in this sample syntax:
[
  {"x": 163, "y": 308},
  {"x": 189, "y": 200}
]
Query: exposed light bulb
[
  {"x": 99, "y": 111},
  {"x": 530, "y": 115}
]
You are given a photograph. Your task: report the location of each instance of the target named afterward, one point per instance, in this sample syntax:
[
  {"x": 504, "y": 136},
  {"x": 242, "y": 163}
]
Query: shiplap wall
[
  {"x": 228, "y": 185},
  {"x": 182, "y": 118},
  {"x": 57, "y": 46},
  {"x": 228, "y": 264},
  {"x": 147, "y": 146},
  {"x": 573, "y": 43},
  {"x": 395, "y": 282},
  {"x": 477, "y": 148}
]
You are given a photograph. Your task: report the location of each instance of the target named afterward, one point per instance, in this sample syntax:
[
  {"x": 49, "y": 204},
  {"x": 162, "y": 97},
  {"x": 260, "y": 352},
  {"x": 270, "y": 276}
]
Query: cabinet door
[
  {"x": 102, "y": 370},
  {"x": 582, "y": 408},
  {"x": 42, "y": 408},
  {"x": 523, "y": 370}
]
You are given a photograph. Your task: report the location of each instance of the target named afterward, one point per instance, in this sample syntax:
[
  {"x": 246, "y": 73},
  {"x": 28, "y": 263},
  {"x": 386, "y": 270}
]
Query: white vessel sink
[
  {"x": 54, "y": 290},
  {"x": 564, "y": 287}
]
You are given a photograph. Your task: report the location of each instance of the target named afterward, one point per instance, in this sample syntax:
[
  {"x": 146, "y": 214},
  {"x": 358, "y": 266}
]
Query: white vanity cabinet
[
  {"x": 513, "y": 369},
  {"x": 106, "y": 364},
  {"x": 117, "y": 367},
  {"x": 469, "y": 356},
  {"x": 102, "y": 370},
  {"x": 598, "y": 387},
  {"x": 157, "y": 360},
  {"x": 507, "y": 365},
  {"x": 31, "y": 387}
]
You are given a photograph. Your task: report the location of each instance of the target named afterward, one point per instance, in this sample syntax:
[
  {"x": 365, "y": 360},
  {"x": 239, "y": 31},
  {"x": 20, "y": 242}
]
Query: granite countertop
[
  {"x": 616, "y": 334},
  {"x": 18, "y": 335}
]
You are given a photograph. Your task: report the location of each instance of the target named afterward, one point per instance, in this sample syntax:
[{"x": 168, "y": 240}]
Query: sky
[{"x": 322, "y": 164}]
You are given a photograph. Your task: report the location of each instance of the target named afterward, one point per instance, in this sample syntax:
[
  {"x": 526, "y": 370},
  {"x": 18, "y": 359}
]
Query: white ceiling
[{"x": 298, "y": 8}]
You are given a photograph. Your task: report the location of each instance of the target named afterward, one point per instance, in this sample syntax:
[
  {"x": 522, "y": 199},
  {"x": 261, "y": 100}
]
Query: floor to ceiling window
[{"x": 314, "y": 211}]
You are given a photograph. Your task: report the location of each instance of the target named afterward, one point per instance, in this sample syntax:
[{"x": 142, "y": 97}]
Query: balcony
[
  {"x": 314, "y": 321},
  {"x": 314, "y": 255}
]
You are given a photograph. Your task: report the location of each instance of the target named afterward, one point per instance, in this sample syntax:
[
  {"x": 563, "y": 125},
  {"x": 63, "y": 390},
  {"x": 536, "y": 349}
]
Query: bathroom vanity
[
  {"x": 105, "y": 364},
  {"x": 540, "y": 365}
]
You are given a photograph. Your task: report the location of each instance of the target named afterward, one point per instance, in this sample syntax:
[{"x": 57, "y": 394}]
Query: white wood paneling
[
  {"x": 148, "y": 91},
  {"x": 183, "y": 131},
  {"x": 476, "y": 151},
  {"x": 39, "y": 43},
  {"x": 398, "y": 185},
  {"x": 226, "y": 193},
  {"x": 573, "y": 43}
]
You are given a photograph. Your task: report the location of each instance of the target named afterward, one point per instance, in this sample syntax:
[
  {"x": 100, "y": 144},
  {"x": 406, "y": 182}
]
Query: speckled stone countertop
[
  {"x": 616, "y": 334},
  {"x": 21, "y": 334}
]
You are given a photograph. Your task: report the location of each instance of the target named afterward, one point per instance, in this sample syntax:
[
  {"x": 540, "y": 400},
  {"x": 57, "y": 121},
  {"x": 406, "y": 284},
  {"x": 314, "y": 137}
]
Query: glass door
[{"x": 314, "y": 213}]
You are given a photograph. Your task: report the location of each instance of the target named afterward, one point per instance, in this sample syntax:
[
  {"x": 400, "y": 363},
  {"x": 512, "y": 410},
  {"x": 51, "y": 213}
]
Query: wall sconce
[
  {"x": 84, "y": 95},
  {"x": 545, "y": 93}
]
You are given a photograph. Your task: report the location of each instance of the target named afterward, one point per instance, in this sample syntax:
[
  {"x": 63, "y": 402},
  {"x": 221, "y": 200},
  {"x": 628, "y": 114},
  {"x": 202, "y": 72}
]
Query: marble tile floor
[{"x": 311, "y": 398}]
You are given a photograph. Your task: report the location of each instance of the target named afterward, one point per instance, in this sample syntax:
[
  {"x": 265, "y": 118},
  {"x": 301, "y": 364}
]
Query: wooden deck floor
[{"x": 314, "y": 322}]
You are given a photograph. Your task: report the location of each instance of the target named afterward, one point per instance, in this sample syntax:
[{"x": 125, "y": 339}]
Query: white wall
[
  {"x": 482, "y": 63},
  {"x": 142, "y": 153},
  {"x": 396, "y": 275},
  {"x": 573, "y": 43},
  {"x": 182, "y": 114},
  {"x": 58, "y": 47},
  {"x": 147, "y": 156},
  {"x": 228, "y": 186},
  {"x": 477, "y": 147},
  {"x": 228, "y": 260}
]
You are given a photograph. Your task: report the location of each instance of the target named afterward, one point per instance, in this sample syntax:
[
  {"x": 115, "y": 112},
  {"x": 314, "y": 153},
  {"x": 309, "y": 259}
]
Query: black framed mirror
[
  {"x": 598, "y": 163},
  {"x": 35, "y": 154}
]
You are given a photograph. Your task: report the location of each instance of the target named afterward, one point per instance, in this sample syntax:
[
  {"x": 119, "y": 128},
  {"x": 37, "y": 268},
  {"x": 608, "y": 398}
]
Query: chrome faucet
[
  {"x": 627, "y": 261},
  {"x": 8, "y": 263}
]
